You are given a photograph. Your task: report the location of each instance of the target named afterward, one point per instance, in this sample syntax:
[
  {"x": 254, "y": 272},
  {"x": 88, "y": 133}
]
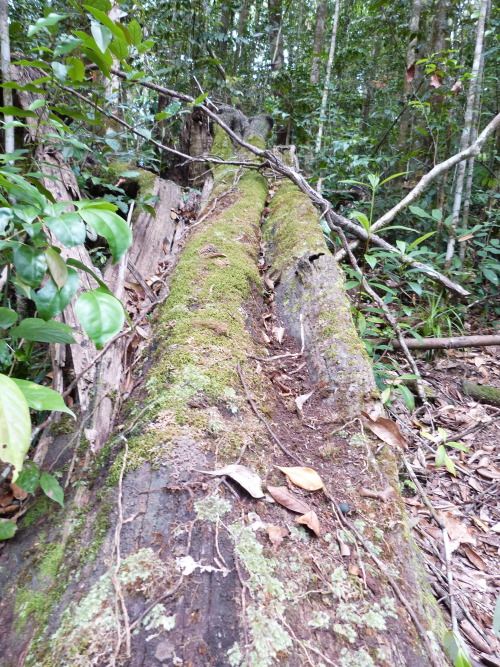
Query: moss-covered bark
[{"x": 196, "y": 556}]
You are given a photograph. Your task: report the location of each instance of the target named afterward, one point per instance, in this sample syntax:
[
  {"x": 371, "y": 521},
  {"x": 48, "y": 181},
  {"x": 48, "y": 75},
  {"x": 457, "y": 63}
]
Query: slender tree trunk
[
  {"x": 411, "y": 57},
  {"x": 472, "y": 100},
  {"x": 244, "y": 11},
  {"x": 6, "y": 77},
  {"x": 331, "y": 55},
  {"x": 276, "y": 34},
  {"x": 319, "y": 30}
]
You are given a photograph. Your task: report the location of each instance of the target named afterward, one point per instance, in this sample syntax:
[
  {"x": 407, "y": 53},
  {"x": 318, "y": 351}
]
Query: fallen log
[
  {"x": 481, "y": 392},
  {"x": 447, "y": 343}
]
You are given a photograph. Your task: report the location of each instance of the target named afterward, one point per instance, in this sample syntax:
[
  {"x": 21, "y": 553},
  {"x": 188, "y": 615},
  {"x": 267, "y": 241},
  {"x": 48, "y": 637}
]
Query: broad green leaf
[
  {"x": 420, "y": 212},
  {"x": 100, "y": 314},
  {"x": 57, "y": 267},
  {"x": 69, "y": 228},
  {"x": 43, "y": 332},
  {"x": 437, "y": 214},
  {"x": 96, "y": 58},
  {"x": 8, "y": 317},
  {"x": 103, "y": 18},
  {"x": 458, "y": 445},
  {"x": 76, "y": 69},
  {"x": 362, "y": 219},
  {"x": 385, "y": 395},
  {"x": 80, "y": 265},
  {"x": 36, "y": 104},
  {"x": 45, "y": 22},
  {"x": 119, "y": 48},
  {"x": 39, "y": 397},
  {"x": 418, "y": 241},
  {"x": 113, "y": 228},
  {"x": 201, "y": 98},
  {"x": 103, "y": 5},
  {"x": 60, "y": 71},
  {"x": 490, "y": 275},
  {"x": 416, "y": 288},
  {"x": 66, "y": 45},
  {"x": 374, "y": 180},
  {"x": 146, "y": 45},
  {"x": 50, "y": 301},
  {"x": 30, "y": 264},
  {"x": 16, "y": 111},
  {"x": 386, "y": 180},
  {"x": 102, "y": 35},
  {"x": 29, "y": 477},
  {"x": 6, "y": 215},
  {"x": 440, "y": 455},
  {"x": 15, "y": 425},
  {"x": 135, "y": 32},
  {"x": 7, "y": 529},
  {"x": 450, "y": 466},
  {"x": 408, "y": 397},
  {"x": 52, "y": 488},
  {"x": 371, "y": 260}
]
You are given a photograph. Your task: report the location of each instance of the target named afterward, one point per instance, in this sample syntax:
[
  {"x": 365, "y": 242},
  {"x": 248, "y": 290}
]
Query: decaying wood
[
  {"x": 481, "y": 392},
  {"x": 448, "y": 343},
  {"x": 196, "y": 571}
]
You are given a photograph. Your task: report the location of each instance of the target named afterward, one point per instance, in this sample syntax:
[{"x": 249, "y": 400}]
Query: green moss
[
  {"x": 41, "y": 508},
  {"x": 100, "y": 527},
  {"x": 64, "y": 426}
]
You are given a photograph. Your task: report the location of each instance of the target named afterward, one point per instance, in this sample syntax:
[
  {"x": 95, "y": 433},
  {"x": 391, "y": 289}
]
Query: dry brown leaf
[
  {"x": 481, "y": 524},
  {"x": 276, "y": 535},
  {"x": 436, "y": 80},
  {"x": 286, "y": 498},
  {"x": 457, "y": 87},
  {"x": 344, "y": 548},
  {"x": 475, "y": 558},
  {"x": 311, "y": 521},
  {"x": 19, "y": 494},
  {"x": 245, "y": 477},
  {"x": 379, "y": 495},
  {"x": 300, "y": 400},
  {"x": 306, "y": 478},
  {"x": 456, "y": 529},
  {"x": 354, "y": 570},
  {"x": 492, "y": 472},
  {"x": 410, "y": 73},
  {"x": 386, "y": 430},
  {"x": 268, "y": 283},
  {"x": 475, "y": 637}
]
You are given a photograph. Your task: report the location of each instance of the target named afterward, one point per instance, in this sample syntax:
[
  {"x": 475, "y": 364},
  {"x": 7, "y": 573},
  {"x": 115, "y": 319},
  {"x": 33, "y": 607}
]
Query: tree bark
[
  {"x": 326, "y": 88},
  {"x": 319, "y": 29},
  {"x": 152, "y": 554},
  {"x": 275, "y": 8},
  {"x": 472, "y": 99},
  {"x": 6, "y": 74},
  {"x": 411, "y": 58}
]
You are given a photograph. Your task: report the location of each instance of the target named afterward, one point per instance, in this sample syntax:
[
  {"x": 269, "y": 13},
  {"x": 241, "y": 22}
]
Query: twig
[
  {"x": 115, "y": 572},
  {"x": 264, "y": 421}
]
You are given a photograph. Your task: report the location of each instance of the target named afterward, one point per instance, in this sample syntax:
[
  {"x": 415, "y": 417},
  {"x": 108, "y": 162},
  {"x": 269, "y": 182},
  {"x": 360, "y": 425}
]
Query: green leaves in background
[
  {"x": 15, "y": 425},
  {"x": 42, "y": 398},
  {"x": 100, "y": 314},
  {"x": 40, "y": 331}
]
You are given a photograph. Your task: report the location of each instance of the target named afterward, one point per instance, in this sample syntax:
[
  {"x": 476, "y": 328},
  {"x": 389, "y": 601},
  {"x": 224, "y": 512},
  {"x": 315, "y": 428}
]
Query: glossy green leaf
[
  {"x": 45, "y": 22},
  {"x": 113, "y": 228},
  {"x": 43, "y": 332},
  {"x": 7, "y": 529},
  {"x": 39, "y": 397},
  {"x": 66, "y": 45},
  {"x": 30, "y": 264},
  {"x": 100, "y": 314},
  {"x": 103, "y": 5},
  {"x": 52, "y": 488},
  {"x": 76, "y": 69},
  {"x": 420, "y": 212},
  {"x": 57, "y": 267},
  {"x": 8, "y": 317},
  {"x": 408, "y": 397},
  {"x": 69, "y": 228},
  {"x": 29, "y": 477},
  {"x": 146, "y": 45},
  {"x": 51, "y": 301},
  {"x": 135, "y": 32},
  {"x": 80, "y": 265},
  {"x": 119, "y": 48},
  {"x": 60, "y": 71},
  {"x": 15, "y": 425},
  {"x": 102, "y": 35},
  {"x": 103, "y": 18},
  {"x": 440, "y": 455}
]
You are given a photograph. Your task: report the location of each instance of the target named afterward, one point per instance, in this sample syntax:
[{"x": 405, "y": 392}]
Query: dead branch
[{"x": 446, "y": 343}]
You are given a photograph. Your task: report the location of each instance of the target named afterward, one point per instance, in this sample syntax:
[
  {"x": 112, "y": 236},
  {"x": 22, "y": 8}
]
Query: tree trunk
[
  {"x": 152, "y": 561},
  {"x": 473, "y": 99},
  {"x": 319, "y": 29},
  {"x": 6, "y": 75},
  {"x": 411, "y": 58},
  {"x": 275, "y": 8},
  {"x": 331, "y": 55}
]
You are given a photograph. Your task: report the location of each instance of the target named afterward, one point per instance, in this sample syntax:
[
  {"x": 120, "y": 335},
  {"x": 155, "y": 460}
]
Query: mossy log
[
  {"x": 482, "y": 392},
  {"x": 189, "y": 559}
]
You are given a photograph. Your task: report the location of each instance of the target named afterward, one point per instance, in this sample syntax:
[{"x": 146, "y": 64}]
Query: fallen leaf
[
  {"x": 436, "y": 80},
  {"x": 19, "y": 494},
  {"x": 300, "y": 400},
  {"x": 344, "y": 548},
  {"x": 306, "y": 478},
  {"x": 268, "y": 283},
  {"x": 475, "y": 558},
  {"x": 475, "y": 637},
  {"x": 480, "y": 524},
  {"x": 490, "y": 473},
  {"x": 278, "y": 333},
  {"x": 354, "y": 570},
  {"x": 311, "y": 521},
  {"x": 457, "y": 530},
  {"x": 276, "y": 535},
  {"x": 386, "y": 430},
  {"x": 379, "y": 495},
  {"x": 286, "y": 498},
  {"x": 245, "y": 477}
]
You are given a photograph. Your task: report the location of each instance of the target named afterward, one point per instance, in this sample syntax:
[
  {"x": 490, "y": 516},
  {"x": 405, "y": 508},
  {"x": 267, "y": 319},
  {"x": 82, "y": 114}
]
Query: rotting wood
[
  {"x": 481, "y": 392},
  {"x": 198, "y": 418}
]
